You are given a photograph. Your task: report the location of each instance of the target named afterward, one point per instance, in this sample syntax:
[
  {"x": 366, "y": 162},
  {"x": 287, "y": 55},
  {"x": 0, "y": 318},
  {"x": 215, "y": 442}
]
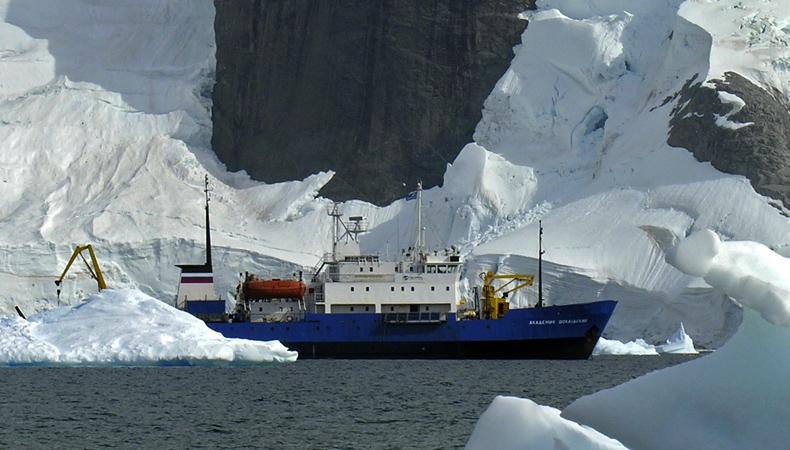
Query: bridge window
[
  {"x": 431, "y": 269},
  {"x": 427, "y": 309},
  {"x": 367, "y": 308},
  {"x": 392, "y": 308},
  {"x": 352, "y": 308}
]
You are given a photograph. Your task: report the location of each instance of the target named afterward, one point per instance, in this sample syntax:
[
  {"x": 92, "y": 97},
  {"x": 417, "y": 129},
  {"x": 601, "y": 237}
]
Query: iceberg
[
  {"x": 679, "y": 343},
  {"x": 125, "y": 327},
  {"x": 615, "y": 347}
]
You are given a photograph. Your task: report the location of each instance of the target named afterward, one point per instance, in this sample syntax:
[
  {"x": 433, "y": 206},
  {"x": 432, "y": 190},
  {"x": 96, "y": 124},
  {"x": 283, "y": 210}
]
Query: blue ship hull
[{"x": 551, "y": 332}]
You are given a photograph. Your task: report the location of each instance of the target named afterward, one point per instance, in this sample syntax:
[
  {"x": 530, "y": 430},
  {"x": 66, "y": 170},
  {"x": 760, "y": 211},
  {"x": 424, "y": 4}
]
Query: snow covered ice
[{"x": 125, "y": 327}]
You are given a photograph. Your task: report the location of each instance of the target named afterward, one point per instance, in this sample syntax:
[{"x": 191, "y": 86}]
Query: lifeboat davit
[{"x": 255, "y": 288}]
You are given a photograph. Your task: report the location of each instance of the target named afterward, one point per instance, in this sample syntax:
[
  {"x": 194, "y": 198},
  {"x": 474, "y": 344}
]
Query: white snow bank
[
  {"x": 539, "y": 427},
  {"x": 125, "y": 327},
  {"x": 679, "y": 343},
  {"x": 615, "y": 347},
  {"x": 750, "y": 272}
]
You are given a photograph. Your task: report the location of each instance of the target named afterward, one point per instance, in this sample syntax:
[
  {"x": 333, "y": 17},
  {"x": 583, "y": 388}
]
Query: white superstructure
[{"x": 421, "y": 281}]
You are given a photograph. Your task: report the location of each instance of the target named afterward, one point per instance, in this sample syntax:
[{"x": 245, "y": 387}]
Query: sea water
[{"x": 306, "y": 404}]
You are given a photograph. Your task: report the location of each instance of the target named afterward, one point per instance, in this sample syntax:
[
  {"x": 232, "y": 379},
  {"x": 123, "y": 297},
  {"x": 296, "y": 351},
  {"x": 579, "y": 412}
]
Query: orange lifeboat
[{"x": 256, "y": 289}]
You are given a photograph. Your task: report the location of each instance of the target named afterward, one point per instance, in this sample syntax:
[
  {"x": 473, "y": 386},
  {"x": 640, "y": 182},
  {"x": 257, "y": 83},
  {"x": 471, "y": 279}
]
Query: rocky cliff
[
  {"x": 383, "y": 92},
  {"x": 745, "y": 133}
]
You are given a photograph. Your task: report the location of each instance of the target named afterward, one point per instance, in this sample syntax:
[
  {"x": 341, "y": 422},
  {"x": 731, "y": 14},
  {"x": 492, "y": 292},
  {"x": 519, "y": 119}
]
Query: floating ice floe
[
  {"x": 125, "y": 327},
  {"x": 615, "y": 347},
  {"x": 678, "y": 343}
]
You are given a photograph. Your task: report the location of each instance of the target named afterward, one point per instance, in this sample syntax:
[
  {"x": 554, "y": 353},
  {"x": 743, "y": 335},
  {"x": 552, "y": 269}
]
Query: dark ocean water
[{"x": 307, "y": 404}]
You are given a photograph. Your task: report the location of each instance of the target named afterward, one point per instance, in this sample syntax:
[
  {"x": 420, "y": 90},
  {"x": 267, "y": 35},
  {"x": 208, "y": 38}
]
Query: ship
[{"x": 361, "y": 306}]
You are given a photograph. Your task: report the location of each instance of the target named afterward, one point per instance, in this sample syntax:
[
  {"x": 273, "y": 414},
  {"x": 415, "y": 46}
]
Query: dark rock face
[
  {"x": 383, "y": 92},
  {"x": 760, "y": 152}
]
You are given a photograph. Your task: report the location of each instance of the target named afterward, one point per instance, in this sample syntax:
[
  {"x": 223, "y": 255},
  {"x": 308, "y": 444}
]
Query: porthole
[
  {"x": 367, "y": 288},
  {"x": 352, "y": 288},
  {"x": 371, "y": 269},
  {"x": 392, "y": 288},
  {"x": 433, "y": 288},
  {"x": 361, "y": 269},
  {"x": 352, "y": 308},
  {"x": 412, "y": 288},
  {"x": 392, "y": 308},
  {"x": 448, "y": 288},
  {"x": 402, "y": 288}
]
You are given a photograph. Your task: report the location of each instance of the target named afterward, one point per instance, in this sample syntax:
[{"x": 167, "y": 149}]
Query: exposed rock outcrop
[
  {"x": 747, "y": 135},
  {"x": 384, "y": 93}
]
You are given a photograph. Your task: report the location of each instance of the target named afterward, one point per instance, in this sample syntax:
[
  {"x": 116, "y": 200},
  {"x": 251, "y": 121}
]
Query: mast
[
  {"x": 335, "y": 213},
  {"x": 208, "y": 229},
  {"x": 419, "y": 243},
  {"x": 540, "y": 264}
]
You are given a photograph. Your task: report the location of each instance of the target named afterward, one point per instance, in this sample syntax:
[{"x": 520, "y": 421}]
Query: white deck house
[{"x": 420, "y": 282}]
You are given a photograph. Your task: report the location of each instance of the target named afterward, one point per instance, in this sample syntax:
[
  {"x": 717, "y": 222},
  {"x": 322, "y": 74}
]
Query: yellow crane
[
  {"x": 95, "y": 271},
  {"x": 494, "y": 306}
]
